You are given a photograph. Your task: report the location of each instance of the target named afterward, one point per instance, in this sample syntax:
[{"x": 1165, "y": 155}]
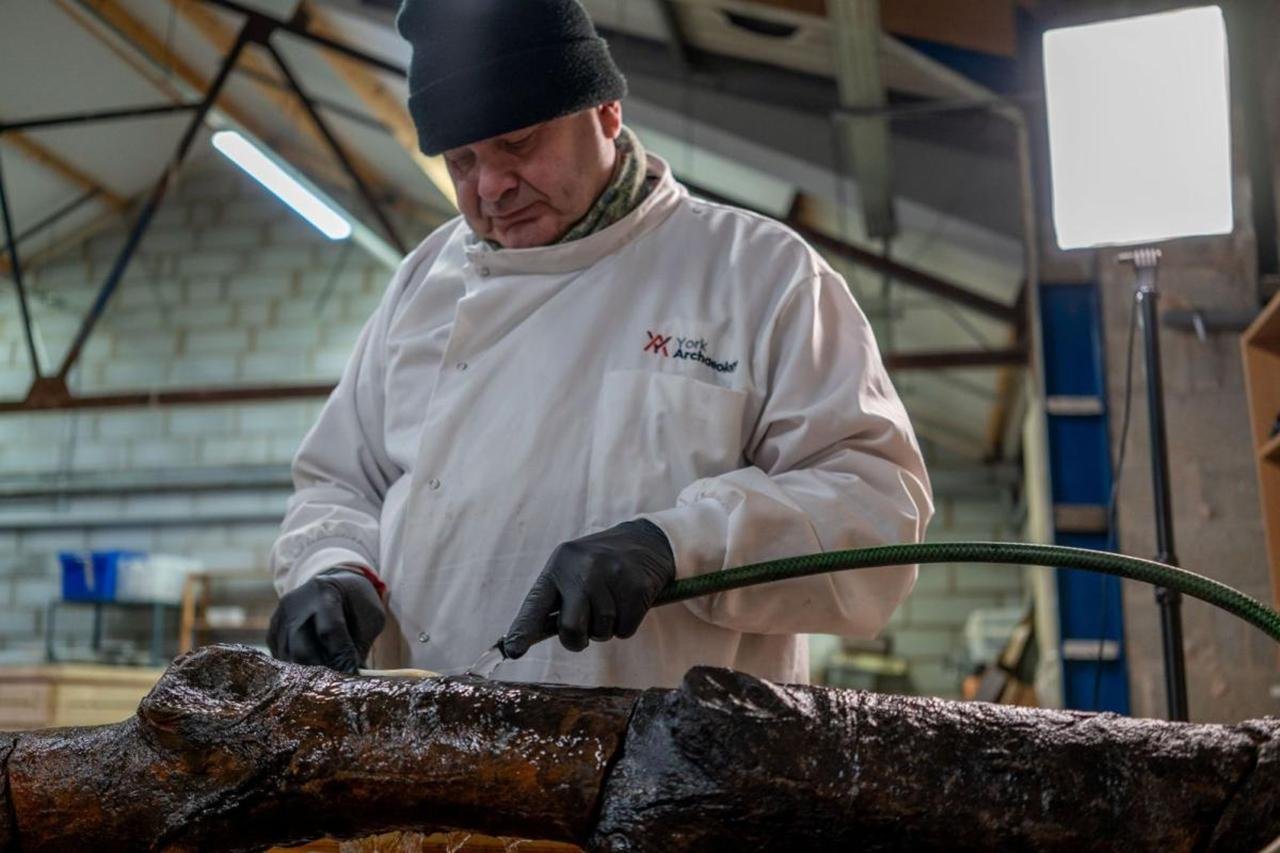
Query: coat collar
[{"x": 580, "y": 254}]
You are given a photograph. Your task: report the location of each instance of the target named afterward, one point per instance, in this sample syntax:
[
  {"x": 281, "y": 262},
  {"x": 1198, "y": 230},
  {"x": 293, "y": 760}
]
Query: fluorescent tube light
[
  {"x": 267, "y": 172},
  {"x": 1139, "y": 132}
]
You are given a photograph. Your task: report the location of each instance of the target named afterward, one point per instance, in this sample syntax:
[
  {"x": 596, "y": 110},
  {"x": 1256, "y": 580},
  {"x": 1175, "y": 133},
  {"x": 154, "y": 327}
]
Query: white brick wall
[
  {"x": 223, "y": 291},
  {"x": 204, "y": 421},
  {"x": 94, "y": 455},
  {"x": 928, "y": 629},
  {"x": 212, "y": 262},
  {"x": 198, "y": 290},
  {"x": 206, "y": 340},
  {"x": 162, "y": 452},
  {"x": 261, "y": 286},
  {"x": 126, "y": 373}
]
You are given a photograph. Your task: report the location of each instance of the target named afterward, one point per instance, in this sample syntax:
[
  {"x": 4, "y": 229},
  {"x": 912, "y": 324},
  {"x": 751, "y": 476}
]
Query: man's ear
[{"x": 610, "y": 115}]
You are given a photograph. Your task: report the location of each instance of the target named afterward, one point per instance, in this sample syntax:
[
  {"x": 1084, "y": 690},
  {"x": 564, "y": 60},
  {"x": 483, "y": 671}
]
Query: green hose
[{"x": 1189, "y": 583}]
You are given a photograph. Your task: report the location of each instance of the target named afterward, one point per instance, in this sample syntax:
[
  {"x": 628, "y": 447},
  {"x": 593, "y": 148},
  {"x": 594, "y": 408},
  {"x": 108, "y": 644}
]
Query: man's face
[{"x": 528, "y": 187}]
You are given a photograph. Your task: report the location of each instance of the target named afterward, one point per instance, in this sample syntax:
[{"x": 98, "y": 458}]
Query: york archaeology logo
[{"x": 692, "y": 349}]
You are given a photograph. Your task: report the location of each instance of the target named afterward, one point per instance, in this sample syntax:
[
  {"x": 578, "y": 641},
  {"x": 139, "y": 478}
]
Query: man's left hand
[{"x": 602, "y": 585}]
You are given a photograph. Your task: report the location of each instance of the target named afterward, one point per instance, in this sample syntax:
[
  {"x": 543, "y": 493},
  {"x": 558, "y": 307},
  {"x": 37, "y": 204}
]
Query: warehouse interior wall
[{"x": 229, "y": 288}]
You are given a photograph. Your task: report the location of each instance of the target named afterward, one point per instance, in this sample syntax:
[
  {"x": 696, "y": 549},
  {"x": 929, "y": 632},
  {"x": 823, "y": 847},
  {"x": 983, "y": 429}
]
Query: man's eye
[
  {"x": 520, "y": 144},
  {"x": 460, "y": 164}
]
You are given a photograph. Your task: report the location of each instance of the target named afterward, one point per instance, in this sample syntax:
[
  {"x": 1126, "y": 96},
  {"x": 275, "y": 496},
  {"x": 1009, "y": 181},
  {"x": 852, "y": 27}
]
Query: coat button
[
  {"x": 433, "y": 483},
  {"x": 484, "y": 271},
  {"x": 462, "y": 365}
]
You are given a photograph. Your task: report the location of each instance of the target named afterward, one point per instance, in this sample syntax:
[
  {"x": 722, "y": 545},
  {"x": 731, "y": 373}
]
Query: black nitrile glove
[
  {"x": 331, "y": 620},
  {"x": 602, "y": 585}
]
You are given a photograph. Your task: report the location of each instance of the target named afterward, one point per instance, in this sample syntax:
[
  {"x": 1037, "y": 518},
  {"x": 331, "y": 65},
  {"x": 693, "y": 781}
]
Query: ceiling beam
[
  {"x": 297, "y": 26},
  {"x": 865, "y": 145},
  {"x": 64, "y": 169},
  {"x": 946, "y": 359},
  {"x": 111, "y": 23},
  {"x": 381, "y": 102},
  {"x": 988, "y": 26},
  {"x": 337, "y": 149},
  {"x": 61, "y": 399},
  {"x": 221, "y": 35},
  {"x": 51, "y": 161},
  {"x": 152, "y": 47},
  {"x": 93, "y": 227},
  {"x": 149, "y": 61},
  {"x": 801, "y": 221}
]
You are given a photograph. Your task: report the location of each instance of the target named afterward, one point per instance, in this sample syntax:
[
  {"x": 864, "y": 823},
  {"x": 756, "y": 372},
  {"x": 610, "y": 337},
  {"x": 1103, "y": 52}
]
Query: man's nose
[{"x": 495, "y": 183}]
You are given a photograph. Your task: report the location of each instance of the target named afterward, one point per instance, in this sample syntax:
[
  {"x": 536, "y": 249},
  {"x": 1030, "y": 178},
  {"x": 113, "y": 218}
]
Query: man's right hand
[{"x": 331, "y": 620}]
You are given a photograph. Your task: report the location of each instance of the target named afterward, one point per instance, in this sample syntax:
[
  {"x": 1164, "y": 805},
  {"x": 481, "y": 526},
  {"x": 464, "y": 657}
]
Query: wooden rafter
[
  {"x": 807, "y": 219},
  {"x": 147, "y": 42},
  {"x": 384, "y": 105},
  {"x": 146, "y": 54},
  {"x": 62, "y": 168},
  {"x": 130, "y": 29},
  {"x": 69, "y": 241},
  {"x": 221, "y": 35},
  {"x": 153, "y": 48},
  {"x": 50, "y": 160},
  {"x": 155, "y": 54}
]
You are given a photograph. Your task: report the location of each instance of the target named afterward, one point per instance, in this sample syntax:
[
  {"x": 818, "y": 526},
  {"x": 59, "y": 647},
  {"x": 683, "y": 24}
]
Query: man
[{"x": 595, "y": 375}]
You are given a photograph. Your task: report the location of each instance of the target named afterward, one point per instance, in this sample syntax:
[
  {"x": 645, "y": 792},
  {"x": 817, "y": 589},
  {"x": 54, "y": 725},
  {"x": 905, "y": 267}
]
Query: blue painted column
[{"x": 1090, "y": 606}]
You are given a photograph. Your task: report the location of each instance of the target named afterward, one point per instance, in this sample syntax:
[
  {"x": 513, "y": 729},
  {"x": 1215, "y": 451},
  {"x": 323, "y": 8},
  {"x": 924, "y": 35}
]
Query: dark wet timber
[{"x": 235, "y": 751}]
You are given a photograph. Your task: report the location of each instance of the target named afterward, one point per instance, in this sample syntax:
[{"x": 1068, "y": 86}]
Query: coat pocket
[{"x": 654, "y": 434}]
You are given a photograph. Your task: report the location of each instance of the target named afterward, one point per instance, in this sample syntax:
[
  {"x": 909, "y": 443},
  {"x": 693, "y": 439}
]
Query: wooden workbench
[{"x": 66, "y": 694}]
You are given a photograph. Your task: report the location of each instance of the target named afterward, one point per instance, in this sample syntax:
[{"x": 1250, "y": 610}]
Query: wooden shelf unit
[
  {"x": 1270, "y": 452},
  {"x": 1261, "y": 344},
  {"x": 194, "y": 627}
]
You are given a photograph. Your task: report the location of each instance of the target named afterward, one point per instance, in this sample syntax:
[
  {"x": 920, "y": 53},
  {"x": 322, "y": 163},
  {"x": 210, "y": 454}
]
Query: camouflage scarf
[{"x": 630, "y": 186}]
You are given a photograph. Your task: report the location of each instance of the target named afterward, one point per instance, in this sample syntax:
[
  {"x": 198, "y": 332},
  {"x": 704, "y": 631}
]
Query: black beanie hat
[{"x": 483, "y": 68}]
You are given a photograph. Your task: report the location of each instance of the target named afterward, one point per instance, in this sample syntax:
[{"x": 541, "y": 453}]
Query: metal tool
[
  {"x": 397, "y": 673},
  {"x": 491, "y": 658},
  {"x": 488, "y": 662},
  {"x": 483, "y": 667}
]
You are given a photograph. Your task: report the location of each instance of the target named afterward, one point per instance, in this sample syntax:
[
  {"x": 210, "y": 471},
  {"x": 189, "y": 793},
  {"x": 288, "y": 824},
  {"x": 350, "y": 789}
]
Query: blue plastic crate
[{"x": 91, "y": 576}]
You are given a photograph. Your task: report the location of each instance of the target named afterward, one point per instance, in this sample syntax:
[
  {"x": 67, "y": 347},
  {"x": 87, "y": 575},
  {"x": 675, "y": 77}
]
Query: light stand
[
  {"x": 1111, "y": 87},
  {"x": 1169, "y": 601}
]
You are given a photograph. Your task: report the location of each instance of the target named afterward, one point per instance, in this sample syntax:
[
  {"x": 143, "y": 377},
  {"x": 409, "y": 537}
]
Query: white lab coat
[{"x": 693, "y": 364}]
